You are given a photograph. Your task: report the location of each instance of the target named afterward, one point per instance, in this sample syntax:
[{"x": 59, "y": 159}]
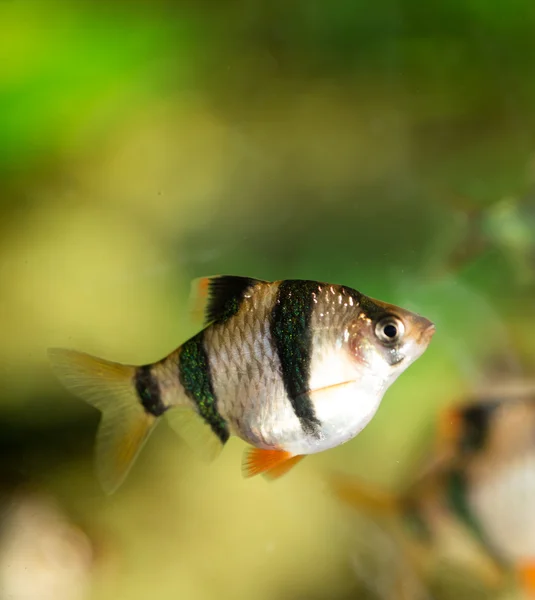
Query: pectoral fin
[{"x": 195, "y": 432}]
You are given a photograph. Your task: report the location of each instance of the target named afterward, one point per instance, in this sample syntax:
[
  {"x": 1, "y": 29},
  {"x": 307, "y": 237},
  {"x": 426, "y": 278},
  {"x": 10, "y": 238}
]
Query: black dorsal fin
[{"x": 219, "y": 297}]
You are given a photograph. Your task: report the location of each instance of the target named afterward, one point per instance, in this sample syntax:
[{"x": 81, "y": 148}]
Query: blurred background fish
[
  {"x": 478, "y": 485},
  {"x": 146, "y": 144}
]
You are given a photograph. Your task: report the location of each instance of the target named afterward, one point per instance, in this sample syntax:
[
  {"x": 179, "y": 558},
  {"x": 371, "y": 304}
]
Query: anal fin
[
  {"x": 195, "y": 432},
  {"x": 270, "y": 463},
  {"x": 283, "y": 468}
]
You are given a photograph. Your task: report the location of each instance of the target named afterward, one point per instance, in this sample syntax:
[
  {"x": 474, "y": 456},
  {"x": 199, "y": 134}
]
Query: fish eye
[{"x": 389, "y": 330}]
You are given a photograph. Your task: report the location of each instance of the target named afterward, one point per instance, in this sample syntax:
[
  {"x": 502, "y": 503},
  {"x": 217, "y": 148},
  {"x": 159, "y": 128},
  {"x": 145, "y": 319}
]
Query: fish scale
[{"x": 243, "y": 393}]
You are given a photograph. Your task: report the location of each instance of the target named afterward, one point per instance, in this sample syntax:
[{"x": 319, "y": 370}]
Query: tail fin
[{"x": 125, "y": 425}]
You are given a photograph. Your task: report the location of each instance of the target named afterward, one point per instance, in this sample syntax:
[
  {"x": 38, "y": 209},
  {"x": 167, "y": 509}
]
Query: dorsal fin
[{"x": 218, "y": 298}]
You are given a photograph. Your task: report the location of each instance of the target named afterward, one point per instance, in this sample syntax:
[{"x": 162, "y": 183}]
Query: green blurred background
[{"x": 385, "y": 145}]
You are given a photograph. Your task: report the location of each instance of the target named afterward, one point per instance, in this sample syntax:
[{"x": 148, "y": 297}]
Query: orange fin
[
  {"x": 283, "y": 468},
  {"x": 526, "y": 575},
  {"x": 199, "y": 298},
  {"x": 271, "y": 463}
]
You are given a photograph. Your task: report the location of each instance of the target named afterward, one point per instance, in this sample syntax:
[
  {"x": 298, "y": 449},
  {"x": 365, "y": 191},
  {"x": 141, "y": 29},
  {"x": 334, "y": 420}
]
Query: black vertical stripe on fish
[
  {"x": 476, "y": 421},
  {"x": 148, "y": 391},
  {"x": 196, "y": 379},
  {"x": 225, "y": 295},
  {"x": 290, "y": 331},
  {"x": 456, "y": 497}
]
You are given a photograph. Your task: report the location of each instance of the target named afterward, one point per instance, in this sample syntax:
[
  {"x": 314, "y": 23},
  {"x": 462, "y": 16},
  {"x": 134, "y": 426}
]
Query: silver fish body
[
  {"x": 344, "y": 375},
  {"x": 293, "y": 366}
]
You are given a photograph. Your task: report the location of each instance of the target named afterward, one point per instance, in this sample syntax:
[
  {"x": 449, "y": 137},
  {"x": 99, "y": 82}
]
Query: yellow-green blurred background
[{"x": 386, "y": 145}]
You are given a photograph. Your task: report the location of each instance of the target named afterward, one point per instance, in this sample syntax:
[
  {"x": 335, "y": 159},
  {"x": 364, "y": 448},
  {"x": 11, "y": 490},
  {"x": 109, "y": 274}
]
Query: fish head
[
  {"x": 488, "y": 428},
  {"x": 387, "y": 339}
]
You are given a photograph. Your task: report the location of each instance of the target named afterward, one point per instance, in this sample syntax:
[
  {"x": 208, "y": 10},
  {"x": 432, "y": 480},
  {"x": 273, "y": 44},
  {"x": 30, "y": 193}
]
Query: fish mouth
[{"x": 427, "y": 333}]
